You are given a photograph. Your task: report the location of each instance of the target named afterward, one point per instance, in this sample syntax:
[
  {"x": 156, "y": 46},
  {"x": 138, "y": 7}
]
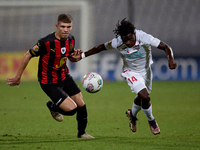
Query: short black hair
[
  {"x": 66, "y": 18},
  {"x": 124, "y": 27}
]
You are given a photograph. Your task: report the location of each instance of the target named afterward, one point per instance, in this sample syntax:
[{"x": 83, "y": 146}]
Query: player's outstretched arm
[
  {"x": 95, "y": 50},
  {"x": 24, "y": 62},
  {"x": 78, "y": 55},
  {"x": 169, "y": 52}
]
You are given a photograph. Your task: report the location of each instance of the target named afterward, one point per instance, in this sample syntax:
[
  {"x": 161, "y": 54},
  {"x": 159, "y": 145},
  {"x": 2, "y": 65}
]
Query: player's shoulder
[
  {"x": 48, "y": 38},
  {"x": 139, "y": 33},
  {"x": 71, "y": 37},
  {"x": 117, "y": 41}
]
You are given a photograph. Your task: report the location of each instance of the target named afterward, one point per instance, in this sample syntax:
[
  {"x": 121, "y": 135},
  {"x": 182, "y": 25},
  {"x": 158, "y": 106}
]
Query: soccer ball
[{"x": 92, "y": 82}]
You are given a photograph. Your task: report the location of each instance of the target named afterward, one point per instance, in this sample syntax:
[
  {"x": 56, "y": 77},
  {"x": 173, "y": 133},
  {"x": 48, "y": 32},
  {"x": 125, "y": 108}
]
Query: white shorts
[{"x": 138, "y": 81}]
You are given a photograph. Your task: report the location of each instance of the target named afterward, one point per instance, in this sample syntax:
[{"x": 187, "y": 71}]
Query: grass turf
[{"x": 27, "y": 124}]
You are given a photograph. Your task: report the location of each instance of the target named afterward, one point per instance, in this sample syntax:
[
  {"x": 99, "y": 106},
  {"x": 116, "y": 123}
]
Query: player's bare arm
[
  {"x": 95, "y": 50},
  {"x": 24, "y": 62},
  {"x": 169, "y": 52},
  {"x": 79, "y": 55}
]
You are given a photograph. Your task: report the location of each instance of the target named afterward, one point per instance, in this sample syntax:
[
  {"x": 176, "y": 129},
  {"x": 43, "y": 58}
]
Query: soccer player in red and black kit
[{"x": 53, "y": 74}]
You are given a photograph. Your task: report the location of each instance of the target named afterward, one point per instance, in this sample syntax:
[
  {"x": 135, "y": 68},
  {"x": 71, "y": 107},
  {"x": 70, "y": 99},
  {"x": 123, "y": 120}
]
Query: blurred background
[{"x": 176, "y": 22}]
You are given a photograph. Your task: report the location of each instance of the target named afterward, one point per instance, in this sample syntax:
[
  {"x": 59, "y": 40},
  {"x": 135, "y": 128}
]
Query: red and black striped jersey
[{"x": 53, "y": 56}]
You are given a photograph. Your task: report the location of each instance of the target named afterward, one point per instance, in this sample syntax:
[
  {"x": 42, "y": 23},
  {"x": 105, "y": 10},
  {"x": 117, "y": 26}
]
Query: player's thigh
[
  {"x": 78, "y": 99},
  {"x": 135, "y": 81},
  {"x": 72, "y": 89},
  {"x": 59, "y": 97},
  {"x": 68, "y": 104},
  {"x": 70, "y": 86}
]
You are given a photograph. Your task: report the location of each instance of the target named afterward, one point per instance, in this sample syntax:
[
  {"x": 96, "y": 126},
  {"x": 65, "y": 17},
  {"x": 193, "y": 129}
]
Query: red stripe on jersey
[
  {"x": 56, "y": 61},
  {"x": 45, "y": 60},
  {"x": 65, "y": 60},
  {"x": 67, "y": 47},
  {"x": 72, "y": 41}
]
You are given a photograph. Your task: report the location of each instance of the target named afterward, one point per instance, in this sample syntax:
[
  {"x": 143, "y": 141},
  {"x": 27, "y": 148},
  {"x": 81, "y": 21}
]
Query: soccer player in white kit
[{"x": 134, "y": 47}]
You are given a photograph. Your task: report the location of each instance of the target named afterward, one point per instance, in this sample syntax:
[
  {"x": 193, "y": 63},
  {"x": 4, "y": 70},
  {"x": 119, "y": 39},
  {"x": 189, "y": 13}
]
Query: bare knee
[
  {"x": 68, "y": 104},
  {"x": 137, "y": 101},
  {"x": 78, "y": 99},
  {"x": 145, "y": 98}
]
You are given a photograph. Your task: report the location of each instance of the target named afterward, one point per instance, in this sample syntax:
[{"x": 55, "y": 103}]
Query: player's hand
[
  {"x": 76, "y": 55},
  {"x": 14, "y": 81},
  {"x": 172, "y": 64}
]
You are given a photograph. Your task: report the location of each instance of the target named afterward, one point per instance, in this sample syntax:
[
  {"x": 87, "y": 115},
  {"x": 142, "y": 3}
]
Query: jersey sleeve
[
  {"x": 111, "y": 44},
  {"x": 36, "y": 50},
  {"x": 147, "y": 38}
]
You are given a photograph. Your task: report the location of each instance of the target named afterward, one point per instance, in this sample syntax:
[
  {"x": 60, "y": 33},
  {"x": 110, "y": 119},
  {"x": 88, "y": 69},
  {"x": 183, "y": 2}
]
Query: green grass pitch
[{"x": 26, "y": 122}]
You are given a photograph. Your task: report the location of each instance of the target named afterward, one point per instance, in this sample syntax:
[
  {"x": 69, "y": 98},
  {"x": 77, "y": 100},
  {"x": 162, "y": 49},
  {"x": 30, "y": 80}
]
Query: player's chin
[{"x": 64, "y": 36}]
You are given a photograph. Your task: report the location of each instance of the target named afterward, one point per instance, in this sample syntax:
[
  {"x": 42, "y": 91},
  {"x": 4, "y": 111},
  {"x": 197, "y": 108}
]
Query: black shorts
[{"x": 58, "y": 92}]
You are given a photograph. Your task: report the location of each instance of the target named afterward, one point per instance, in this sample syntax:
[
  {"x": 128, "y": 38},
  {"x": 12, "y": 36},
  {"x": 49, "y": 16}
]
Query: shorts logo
[
  {"x": 63, "y": 50},
  {"x": 58, "y": 101}
]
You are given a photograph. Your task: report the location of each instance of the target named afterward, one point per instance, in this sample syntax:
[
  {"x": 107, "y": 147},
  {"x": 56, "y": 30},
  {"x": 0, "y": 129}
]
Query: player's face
[
  {"x": 63, "y": 30},
  {"x": 129, "y": 40}
]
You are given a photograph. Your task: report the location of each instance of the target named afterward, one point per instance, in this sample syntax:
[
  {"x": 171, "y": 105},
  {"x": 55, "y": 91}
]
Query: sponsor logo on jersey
[
  {"x": 133, "y": 55},
  {"x": 62, "y": 62}
]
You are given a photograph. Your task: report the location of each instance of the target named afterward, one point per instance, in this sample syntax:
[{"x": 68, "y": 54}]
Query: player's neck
[{"x": 59, "y": 38}]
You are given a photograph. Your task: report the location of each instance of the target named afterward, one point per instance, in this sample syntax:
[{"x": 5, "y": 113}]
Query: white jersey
[{"x": 138, "y": 57}]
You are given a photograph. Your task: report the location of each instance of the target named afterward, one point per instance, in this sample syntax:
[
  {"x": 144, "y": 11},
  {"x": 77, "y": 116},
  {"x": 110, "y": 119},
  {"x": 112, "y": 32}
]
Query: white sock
[
  {"x": 135, "y": 109},
  {"x": 148, "y": 113}
]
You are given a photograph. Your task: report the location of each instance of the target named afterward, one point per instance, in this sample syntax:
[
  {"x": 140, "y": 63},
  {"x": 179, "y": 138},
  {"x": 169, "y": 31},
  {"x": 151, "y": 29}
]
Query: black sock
[{"x": 81, "y": 117}]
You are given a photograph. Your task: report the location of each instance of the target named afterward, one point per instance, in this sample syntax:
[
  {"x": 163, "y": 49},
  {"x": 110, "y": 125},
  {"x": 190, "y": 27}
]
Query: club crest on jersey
[{"x": 63, "y": 50}]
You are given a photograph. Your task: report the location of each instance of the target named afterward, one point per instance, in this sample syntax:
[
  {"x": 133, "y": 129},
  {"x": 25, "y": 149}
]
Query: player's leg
[
  {"x": 147, "y": 109},
  {"x": 62, "y": 103},
  {"x": 132, "y": 113},
  {"x": 66, "y": 107},
  {"x": 146, "y": 104},
  {"x": 82, "y": 116},
  {"x": 75, "y": 94},
  {"x": 135, "y": 81},
  {"x": 136, "y": 106},
  {"x": 140, "y": 84}
]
